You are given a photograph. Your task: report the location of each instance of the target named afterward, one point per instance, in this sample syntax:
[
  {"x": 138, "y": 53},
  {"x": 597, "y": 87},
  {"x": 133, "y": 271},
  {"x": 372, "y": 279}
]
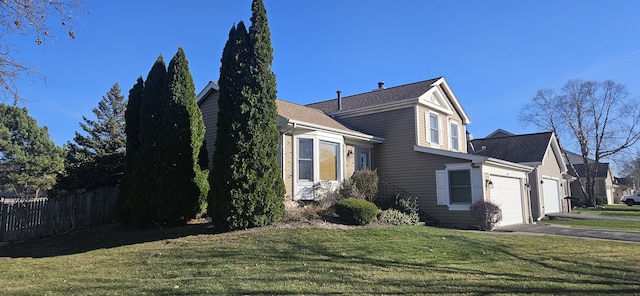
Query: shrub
[
  {"x": 356, "y": 211},
  {"x": 405, "y": 204},
  {"x": 396, "y": 217},
  {"x": 486, "y": 214},
  {"x": 349, "y": 190},
  {"x": 366, "y": 181}
]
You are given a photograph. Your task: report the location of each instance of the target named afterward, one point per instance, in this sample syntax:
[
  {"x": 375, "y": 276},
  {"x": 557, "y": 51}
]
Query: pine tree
[
  {"x": 95, "y": 158},
  {"x": 29, "y": 160},
  {"x": 132, "y": 130},
  {"x": 181, "y": 190},
  {"x": 247, "y": 190}
]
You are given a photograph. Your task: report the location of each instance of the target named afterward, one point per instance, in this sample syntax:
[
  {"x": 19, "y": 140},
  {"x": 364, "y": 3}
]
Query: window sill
[{"x": 460, "y": 207}]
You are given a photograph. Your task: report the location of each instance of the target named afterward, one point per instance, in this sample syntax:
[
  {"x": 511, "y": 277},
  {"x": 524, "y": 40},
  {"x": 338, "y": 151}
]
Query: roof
[
  {"x": 500, "y": 133},
  {"x": 603, "y": 170},
  {"x": 528, "y": 148},
  {"x": 301, "y": 113},
  {"x": 296, "y": 114},
  {"x": 387, "y": 96},
  {"x": 376, "y": 97}
]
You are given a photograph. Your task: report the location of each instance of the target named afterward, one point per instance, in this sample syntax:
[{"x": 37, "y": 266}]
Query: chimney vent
[
  {"x": 381, "y": 85},
  {"x": 339, "y": 99}
]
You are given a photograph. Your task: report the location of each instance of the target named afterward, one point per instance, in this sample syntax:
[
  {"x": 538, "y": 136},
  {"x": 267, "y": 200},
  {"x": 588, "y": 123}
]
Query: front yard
[
  {"x": 411, "y": 260},
  {"x": 620, "y": 211}
]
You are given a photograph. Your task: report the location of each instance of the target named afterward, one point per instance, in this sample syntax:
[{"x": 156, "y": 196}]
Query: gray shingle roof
[
  {"x": 603, "y": 170},
  {"x": 309, "y": 115},
  {"x": 376, "y": 97},
  {"x": 517, "y": 148}
]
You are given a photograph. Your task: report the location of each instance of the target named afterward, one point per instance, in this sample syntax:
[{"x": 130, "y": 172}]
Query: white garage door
[
  {"x": 551, "y": 196},
  {"x": 507, "y": 194}
]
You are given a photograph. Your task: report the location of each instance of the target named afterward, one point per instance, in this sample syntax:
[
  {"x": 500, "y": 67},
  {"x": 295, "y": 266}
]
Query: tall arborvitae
[
  {"x": 227, "y": 173},
  {"x": 180, "y": 191},
  {"x": 247, "y": 189},
  {"x": 145, "y": 184},
  {"x": 132, "y": 130},
  {"x": 263, "y": 92}
]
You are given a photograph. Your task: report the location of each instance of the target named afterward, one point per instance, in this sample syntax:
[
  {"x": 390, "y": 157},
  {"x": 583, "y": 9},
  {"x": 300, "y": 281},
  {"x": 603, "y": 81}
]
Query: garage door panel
[{"x": 507, "y": 194}]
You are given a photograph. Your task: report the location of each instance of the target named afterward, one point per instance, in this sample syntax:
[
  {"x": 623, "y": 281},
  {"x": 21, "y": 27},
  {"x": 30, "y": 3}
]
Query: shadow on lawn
[{"x": 110, "y": 236}]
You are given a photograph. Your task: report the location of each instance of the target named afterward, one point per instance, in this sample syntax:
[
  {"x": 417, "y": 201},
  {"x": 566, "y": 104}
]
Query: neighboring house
[
  {"x": 604, "y": 185},
  {"x": 548, "y": 181},
  {"x": 623, "y": 187},
  {"x": 313, "y": 147},
  {"x": 413, "y": 135},
  {"x": 425, "y": 151}
]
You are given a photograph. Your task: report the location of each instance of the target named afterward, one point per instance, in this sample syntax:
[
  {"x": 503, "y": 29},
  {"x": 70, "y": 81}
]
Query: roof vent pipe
[
  {"x": 381, "y": 85},
  {"x": 339, "y": 99}
]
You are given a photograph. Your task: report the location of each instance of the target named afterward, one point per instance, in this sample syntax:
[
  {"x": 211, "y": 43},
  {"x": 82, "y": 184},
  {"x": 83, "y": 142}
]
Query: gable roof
[
  {"x": 603, "y": 170},
  {"x": 500, "y": 133},
  {"x": 389, "y": 96},
  {"x": 528, "y": 148}
]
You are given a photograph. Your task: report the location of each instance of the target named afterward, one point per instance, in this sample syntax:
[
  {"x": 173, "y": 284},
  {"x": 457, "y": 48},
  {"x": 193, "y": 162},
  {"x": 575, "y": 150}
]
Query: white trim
[
  {"x": 417, "y": 124},
  {"x": 204, "y": 93},
  {"x": 452, "y": 98}
]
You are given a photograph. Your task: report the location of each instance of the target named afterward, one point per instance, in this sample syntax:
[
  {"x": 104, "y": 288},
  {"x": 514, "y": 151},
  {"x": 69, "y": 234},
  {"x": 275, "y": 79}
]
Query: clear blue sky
[{"x": 494, "y": 54}]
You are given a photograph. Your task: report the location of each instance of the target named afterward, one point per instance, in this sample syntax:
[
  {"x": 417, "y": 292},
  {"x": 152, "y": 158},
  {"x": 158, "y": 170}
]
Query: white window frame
[
  {"x": 429, "y": 129},
  {"x": 453, "y": 141}
]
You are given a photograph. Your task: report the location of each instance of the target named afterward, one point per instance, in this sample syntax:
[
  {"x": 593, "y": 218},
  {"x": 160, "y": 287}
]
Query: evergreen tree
[
  {"x": 247, "y": 189},
  {"x": 29, "y": 160},
  {"x": 96, "y": 158},
  {"x": 183, "y": 185},
  {"x": 132, "y": 130},
  {"x": 144, "y": 184}
]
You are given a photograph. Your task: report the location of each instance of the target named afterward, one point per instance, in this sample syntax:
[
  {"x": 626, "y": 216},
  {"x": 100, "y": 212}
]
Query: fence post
[{"x": 3, "y": 220}]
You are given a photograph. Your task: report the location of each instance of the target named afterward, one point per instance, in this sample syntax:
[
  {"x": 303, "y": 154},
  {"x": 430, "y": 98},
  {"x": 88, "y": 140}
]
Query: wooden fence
[{"x": 25, "y": 220}]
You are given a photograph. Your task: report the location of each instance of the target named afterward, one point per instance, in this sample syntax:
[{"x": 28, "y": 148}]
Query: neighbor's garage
[
  {"x": 551, "y": 193},
  {"x": 507, "y": 194}
]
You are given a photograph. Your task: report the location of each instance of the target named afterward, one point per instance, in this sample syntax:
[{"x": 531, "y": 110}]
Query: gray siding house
[{"x": 414, "y": 135}]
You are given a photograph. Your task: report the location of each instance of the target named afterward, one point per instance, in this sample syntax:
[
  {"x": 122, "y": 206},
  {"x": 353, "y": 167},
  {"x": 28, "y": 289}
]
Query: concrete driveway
[{"x": 618, "y": 235}]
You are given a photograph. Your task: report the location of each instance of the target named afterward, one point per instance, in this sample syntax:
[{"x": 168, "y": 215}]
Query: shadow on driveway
[{"x": 618, "y": 235}]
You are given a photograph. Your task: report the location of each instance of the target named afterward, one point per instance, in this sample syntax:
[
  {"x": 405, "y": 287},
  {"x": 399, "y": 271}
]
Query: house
[
  {"x": 413, "y": 135},
  {"x": 313, "y": 147},
  {"x": 604, "y": 181},
  {"x": 548, "y": 181},
  {"x": 425, "y": 151}
]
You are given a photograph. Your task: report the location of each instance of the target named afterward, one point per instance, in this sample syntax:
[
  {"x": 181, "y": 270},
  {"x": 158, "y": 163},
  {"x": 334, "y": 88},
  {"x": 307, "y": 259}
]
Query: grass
[
  {"x": 612, "y": 210},
  {"x": 411, "y": 260},
  {"x": 597, "y": 224}
]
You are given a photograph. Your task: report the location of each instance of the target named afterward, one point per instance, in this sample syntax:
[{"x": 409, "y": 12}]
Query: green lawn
[
  {"x": 612, "y": 210},
  {"x": 597, "y": 224},
  {"x": 410, "y": 260}
]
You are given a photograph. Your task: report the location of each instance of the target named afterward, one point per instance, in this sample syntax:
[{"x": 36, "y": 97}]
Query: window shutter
[
  {"x": 442, "y": 188},
  {"x": 476, "y": 184}
]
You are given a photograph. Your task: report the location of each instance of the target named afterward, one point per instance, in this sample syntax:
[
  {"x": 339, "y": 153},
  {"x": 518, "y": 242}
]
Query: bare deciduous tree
[
  {"x": 29, "y": 17},
  {"x": 595, "y": 116}
]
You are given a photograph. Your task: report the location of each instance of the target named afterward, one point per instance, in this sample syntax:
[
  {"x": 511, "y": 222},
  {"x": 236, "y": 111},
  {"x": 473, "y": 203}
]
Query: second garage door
[{"x": 507, "y": 194}]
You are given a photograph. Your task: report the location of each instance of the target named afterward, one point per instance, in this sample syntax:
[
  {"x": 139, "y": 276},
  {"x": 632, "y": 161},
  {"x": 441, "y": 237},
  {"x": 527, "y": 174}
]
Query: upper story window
[
  {"x": 434, "y": 128},
  {"x": 454, "y": 131}
]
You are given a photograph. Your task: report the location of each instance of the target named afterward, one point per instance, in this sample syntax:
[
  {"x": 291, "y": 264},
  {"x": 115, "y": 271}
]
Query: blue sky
[{"x": 494, "y": 54}]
